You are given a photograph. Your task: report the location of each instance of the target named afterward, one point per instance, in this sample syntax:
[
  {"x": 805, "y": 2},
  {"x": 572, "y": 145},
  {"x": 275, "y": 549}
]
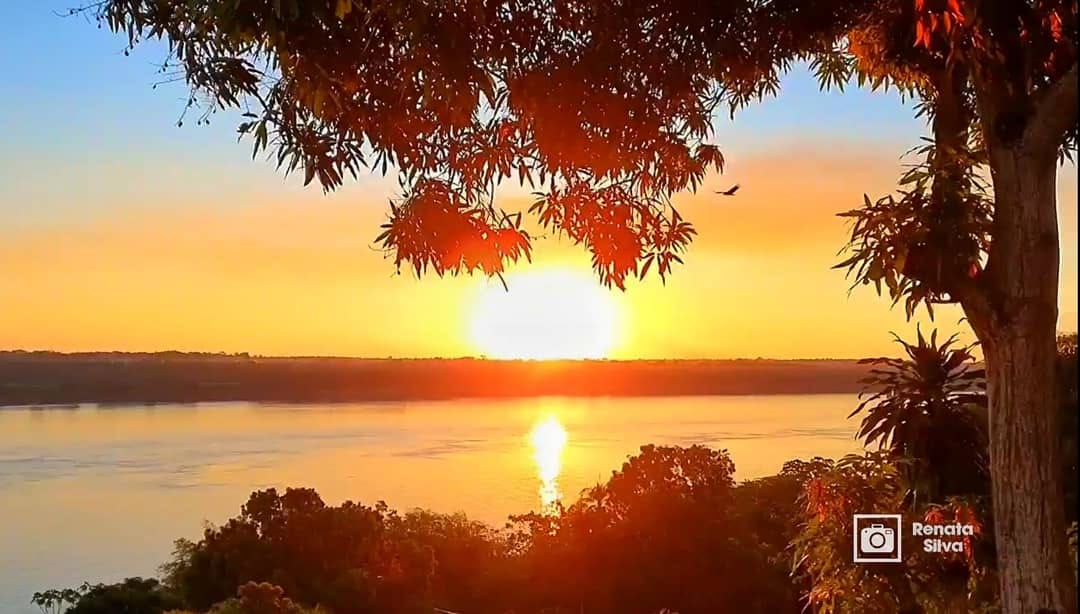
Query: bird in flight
[{"x": 730, "y": 191}]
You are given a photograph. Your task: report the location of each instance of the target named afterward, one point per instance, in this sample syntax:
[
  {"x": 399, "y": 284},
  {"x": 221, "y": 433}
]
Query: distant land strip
[{"x": 48, "y": 378}]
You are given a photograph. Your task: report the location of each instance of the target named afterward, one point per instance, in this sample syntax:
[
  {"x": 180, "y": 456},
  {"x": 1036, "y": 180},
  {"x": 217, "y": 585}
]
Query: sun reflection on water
[{"x": 548, "y": 439}]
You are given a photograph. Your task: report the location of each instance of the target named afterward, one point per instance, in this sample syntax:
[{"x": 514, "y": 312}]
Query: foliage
[
  {"x": 822, "y": 549},
  {"x": 347, "y": 558},
  {"x": 472, "y": 563},
  {"x": 257, "y": 598},
  {"x": 925, "y": 405},
  {"x": 55, "y": 600},
  {"x": 929, "y": 407},
  {"x": 338, "y": 557},
  {"x": 657, "y": 535},
  {"x": 931, "y": 242},
  {"x": 457, "y": 97},
  {"x": 918, "y": 245},
  {"x": 923, "y": 582},
  {"x": 668, "y": 530},
  {"x": 260, "y": 598},
  {"x": 768, "y": 508},
  {"x": 131, "y": 596}
]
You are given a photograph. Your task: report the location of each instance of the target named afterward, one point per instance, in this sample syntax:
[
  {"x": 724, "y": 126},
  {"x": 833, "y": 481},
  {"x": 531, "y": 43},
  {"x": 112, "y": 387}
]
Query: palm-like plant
[{"x": 930, "y": 408}]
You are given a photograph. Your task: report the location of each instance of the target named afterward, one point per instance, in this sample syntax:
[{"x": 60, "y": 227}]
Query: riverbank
[{"x": 48, "y": 378}]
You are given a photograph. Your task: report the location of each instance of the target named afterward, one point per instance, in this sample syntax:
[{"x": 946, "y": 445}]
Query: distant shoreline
[{"x": 45, "y": 378}]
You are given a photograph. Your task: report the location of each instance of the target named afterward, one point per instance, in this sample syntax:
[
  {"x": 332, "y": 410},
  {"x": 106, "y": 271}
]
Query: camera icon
[{"x": 876, "y": 538}]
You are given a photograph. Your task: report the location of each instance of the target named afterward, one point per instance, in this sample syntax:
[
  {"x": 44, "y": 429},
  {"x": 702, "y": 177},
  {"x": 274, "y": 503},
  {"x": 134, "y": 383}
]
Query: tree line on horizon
[{"x": 73, "y": 380}]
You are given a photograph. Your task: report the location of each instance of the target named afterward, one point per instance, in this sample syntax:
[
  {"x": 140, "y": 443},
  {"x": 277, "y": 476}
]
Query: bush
[
  {"x": 132, "y": 596},
  {"x": 670, "y": 529}
]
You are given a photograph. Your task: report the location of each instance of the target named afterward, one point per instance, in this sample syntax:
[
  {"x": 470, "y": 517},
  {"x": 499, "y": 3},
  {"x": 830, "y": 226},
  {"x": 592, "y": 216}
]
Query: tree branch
[
  {"x": 974, "y": 296},
  {"x": 1055, "y": 113}
]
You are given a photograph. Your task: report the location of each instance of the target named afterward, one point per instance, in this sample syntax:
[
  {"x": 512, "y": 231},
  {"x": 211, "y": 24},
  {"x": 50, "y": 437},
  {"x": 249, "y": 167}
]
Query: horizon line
[{"x": 223, "y": 354}]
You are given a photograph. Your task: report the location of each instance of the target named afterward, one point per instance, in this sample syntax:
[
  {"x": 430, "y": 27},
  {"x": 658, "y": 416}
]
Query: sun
[{"x": 544, "y": 315}]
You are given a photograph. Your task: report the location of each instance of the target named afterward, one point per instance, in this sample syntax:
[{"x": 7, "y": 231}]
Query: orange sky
[
  {"x": 120, "y": 231},
  {"x": 274, "y": 269}
]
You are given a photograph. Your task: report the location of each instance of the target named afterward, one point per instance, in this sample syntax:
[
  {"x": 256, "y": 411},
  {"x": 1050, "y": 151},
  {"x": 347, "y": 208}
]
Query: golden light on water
[{"x": 548, "y": 439}]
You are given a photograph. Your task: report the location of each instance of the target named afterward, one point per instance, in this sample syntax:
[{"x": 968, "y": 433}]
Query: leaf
[
  {"x": 645, "y": 268},
  {"x": 901, "y": 259}
]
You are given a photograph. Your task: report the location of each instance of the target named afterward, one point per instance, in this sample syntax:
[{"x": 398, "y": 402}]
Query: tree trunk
[
  {"x": 1029, "y": 501},
  {"x": 1017, "y": 328}
]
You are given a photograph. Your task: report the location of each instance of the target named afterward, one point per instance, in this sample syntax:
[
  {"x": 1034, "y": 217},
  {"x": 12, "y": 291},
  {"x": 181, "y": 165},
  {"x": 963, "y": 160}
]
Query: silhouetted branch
[{"x": 1055, "y": 113}]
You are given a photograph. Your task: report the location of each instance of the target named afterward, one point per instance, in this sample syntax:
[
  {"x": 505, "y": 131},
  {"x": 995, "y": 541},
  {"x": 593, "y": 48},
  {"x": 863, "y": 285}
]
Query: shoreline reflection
[{"x": 548, "y": 439}]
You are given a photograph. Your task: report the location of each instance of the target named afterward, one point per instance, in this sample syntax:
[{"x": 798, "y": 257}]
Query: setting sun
[{"x": 551, "y": 314}]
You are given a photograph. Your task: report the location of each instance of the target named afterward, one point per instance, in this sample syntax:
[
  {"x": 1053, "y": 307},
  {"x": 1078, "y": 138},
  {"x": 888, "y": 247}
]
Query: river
[{"x": 99, "y": 493}]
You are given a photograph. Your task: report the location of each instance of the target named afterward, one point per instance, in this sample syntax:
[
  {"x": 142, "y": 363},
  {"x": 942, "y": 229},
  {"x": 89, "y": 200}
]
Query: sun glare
[
  {"x": 548, "y": 439},
  {"x": 552, "y": 314}
]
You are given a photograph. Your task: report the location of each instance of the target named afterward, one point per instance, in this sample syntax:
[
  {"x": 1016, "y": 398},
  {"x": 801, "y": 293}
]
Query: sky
[{"x": 120, "y": 230}]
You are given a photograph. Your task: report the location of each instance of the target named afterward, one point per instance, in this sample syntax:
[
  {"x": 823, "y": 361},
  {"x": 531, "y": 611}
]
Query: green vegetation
[
  {"x": 930, "y": 408},
  {"x": 671, "y": 530},
  {"x": 132, "y": 596}
]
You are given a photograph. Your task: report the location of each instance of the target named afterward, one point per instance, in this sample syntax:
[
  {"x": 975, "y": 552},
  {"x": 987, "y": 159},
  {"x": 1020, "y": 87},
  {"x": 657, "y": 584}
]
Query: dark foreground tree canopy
[
  {"x": 606, "y": 108},
  {"x": 603, "y": 107}
]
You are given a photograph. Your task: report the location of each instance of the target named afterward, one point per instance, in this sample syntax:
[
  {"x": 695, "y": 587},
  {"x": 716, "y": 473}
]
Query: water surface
[{"x": 99, "y": 493}]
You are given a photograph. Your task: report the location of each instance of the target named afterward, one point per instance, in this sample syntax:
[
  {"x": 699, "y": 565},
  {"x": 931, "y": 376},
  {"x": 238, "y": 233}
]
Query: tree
[
  {"x": 929, "y": 409},
  {"x": 922, "y": 582},
  {"x": 605, "y": 108},
  {"x": 55, "y": 600},
  {"x": 670, "y": 530},
  {"x": 260, "y": 598},
  {"x": 132, "y": 596},
  {"x": 472, "y": 570},
  {"x": 337, "y": 556},
  {"x": 999, "y": 80}
]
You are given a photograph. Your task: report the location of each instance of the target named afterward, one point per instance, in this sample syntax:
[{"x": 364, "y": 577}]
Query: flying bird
[{"x": 730, "y": 191}]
